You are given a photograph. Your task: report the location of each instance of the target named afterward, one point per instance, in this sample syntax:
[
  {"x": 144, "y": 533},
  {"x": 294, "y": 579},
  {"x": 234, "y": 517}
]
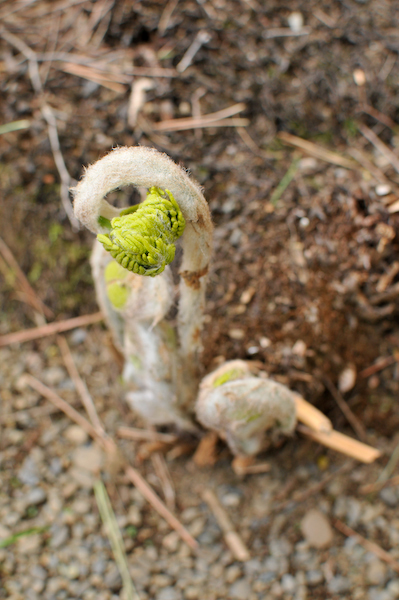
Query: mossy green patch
[{"x": 228, "y": 376}]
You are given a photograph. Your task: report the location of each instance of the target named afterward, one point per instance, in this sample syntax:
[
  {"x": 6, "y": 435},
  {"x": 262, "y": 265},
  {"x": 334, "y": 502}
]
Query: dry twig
[
  {"x": 59, "y": 326},
  {"x": 309, "y": 415},
  {"x": 232, "y": 539},
  {"x": 48, "y": 115},
  {"x": 162, "y": 472},
  {"x": 109, "y": 446},
  {"x": 379, "y": 145},
  {"x": 211, "y": 119},
  {"x": 148, "y": 435},
  {"x": 342, "y": 443},
  {"x": 315, "y": 150},
  {"x": 379, "y": 365},
  {"x": 24, "y": 284},
  {"x": 80, "y": 386},
  {"x": 351, "y": 417},
  {"x": 369, "y": 546}
]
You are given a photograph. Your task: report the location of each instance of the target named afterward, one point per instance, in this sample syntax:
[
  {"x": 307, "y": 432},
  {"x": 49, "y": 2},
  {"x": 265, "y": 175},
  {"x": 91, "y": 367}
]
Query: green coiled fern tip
[{"x": 142, "y": 238}]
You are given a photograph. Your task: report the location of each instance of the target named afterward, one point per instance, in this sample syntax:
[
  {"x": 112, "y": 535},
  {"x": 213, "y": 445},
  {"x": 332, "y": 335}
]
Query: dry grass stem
[
  {"x": 202, "y": 121},
  {"x": 315, "y": 150},
  {"x": 342, "y": 443},
  {"x": 62, "y": 405},
  {"x": 378, "y": 116},
  {"x": 246, "y": 465},
  {"x": 362, "y": 159},
  {"x": 206, "y": 453},
  {"x": 232, "y": 539},
  {"x": 369, "y": 546},
  {"x": 49, "y": 117},
  {"x": 23, "y": 283},
  {"x": 286, "y": 32},
  {"x": 105, "y": 79},
  {"x": 166, "y": 15},
  {"x": 379, "y": 365},
  {"x": 300, "y": 496},
  {"x": 309, "y": 415},
  {"x": 346, "y": 410},
  {"x": 163, "y": 474},
  {"x": 160, "y": 507},
  {"x": 379, "y": 145},
  {"x": 370, "y": 488},
  {"x": 52, "y": 328},
  {"x": 116, "y": 540},
  {"x": 133, "y": 433},
  {"x": 80, "y": 386},
  {"x": 109, "y": 446}
]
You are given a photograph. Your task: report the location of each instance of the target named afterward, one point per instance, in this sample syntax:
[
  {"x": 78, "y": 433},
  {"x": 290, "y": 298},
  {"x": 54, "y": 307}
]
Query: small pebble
[
  {"x": 295, "y": 21},
  {"x": 36, "y": 496},
  {"x": 316, "y": 529},
  {"x": 89, "y": 458},
  {"x": 169, "y": 593},
  {"x": 383, "y": 189},
  {"x": 347, "y": 379},
  {"x": 237, "y": 334},
  {"x": 376, "y": 572},
  {"x": 240, "y": 590},
  {"x": 75, "y": 435}
]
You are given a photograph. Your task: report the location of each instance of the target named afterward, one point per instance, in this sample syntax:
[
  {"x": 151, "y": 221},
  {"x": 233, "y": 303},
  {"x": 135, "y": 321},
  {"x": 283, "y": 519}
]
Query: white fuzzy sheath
[
  {"x": 243, "y": 409},
  {"x": 147, "y": 167}
]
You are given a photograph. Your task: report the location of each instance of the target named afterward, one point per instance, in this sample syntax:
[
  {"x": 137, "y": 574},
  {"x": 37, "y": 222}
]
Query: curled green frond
[{"x": 142, "y": 241}]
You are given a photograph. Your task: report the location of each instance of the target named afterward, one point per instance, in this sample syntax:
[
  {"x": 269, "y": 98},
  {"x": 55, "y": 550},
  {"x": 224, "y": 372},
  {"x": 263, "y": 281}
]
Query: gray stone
[
  {"x": 28, "y": 473},
  {"x": 376, "y": 572},
  {"x": 281, "y": 547},
  {"x": 339, "y": 584},
  {"x": 240, "y": 590},
  {"x": 316, "y": 529},
  {"x": 389, "y": 496},
  {"x": 288, "y": 583},
  {"x": 36, "y": 496},
  {"x": 376, "y": 593},
  {"x": 113, "y": 580},
  {"x": 169, "y": 593},
  {"x": 314, "y": 577},
  {"x": 53, "y": 376},
  {"x": 89, "y": 458},
  {"x": 60, "y": 535},
  {"x": 393, "y": 588}
]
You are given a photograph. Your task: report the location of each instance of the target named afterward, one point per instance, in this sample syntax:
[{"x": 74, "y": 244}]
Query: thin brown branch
[
  {"x": 300, "y": 496},
  {"x": 350, "y": 416},
  {"x": 133, "y": 433},
  {"x": 202, "y": 121},
  {"x": 59, "y": 326},
  {"x": 24, "y": 284},
  {"x": 342, "y": 443},
  {"x": 370, "y": 488},
  {"x": 232, "y": 539},
  {"x": 49, "y": 117},
  {"x": 378, "y": 116},
  {"x": 309, "y": 415},
  {"x": 109, "y": 446},
  {"x": 80, "y": 386},
  {"x": 379, "y": 365},
  {"x": 315, "y": 150},
  {"x": 162, "y": 472},
  {"x": 379, "y": 145},
  {"x": 369, "y": 546},
  {"x": 66, "y": 408}
]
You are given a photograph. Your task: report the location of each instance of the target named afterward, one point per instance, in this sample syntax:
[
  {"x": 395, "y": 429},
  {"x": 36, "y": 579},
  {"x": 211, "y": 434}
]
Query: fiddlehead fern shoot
[{"x": 142, "y": 239}]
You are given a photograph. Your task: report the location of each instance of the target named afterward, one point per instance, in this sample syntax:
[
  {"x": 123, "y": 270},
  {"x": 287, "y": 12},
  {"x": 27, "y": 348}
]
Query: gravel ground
[{"x": 49, "y": 465}]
